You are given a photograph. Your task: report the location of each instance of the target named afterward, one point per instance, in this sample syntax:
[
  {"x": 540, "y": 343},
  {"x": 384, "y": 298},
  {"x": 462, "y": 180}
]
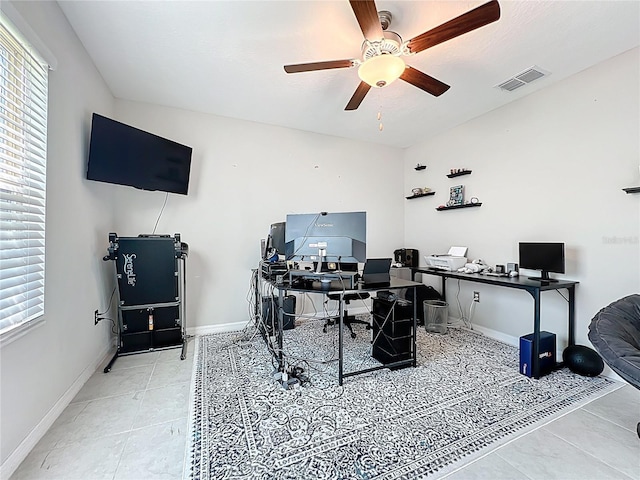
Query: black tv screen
[{"x": 126, "y": 155}]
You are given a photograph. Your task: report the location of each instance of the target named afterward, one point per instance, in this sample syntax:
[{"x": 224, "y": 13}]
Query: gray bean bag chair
[{"x": 615, "y": 334}]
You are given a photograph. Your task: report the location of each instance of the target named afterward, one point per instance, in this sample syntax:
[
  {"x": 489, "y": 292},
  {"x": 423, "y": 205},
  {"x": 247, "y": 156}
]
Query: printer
[{"x": 453, "y": 260}]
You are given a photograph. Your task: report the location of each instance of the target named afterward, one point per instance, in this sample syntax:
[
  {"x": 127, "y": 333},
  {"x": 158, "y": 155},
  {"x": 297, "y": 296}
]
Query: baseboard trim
[
  {"x": 219, "y": 328},
  {"x": 496, "y": 335},
  {"x": 16, "y": 457}
]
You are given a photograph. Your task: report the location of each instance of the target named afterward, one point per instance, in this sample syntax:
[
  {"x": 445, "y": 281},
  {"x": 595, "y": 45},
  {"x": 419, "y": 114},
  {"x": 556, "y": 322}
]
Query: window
[{"x": 23, "y": 148}]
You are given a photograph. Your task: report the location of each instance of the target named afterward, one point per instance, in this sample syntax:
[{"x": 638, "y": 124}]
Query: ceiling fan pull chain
[{"x": 379, "y": 116}]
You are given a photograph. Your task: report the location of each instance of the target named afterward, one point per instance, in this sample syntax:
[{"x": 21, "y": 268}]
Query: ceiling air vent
[{"x": 523, "y": 78}]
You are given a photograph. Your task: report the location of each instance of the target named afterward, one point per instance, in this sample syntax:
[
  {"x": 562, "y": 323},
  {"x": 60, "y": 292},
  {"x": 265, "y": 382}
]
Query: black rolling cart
[
  {"x": 151, "y": 284},
  {"x": 393, "y": 332}
]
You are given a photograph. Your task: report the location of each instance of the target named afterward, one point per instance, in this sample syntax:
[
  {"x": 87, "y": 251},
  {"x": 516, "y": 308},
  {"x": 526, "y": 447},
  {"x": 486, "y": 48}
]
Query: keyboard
[{"x": 496, "y": 274}]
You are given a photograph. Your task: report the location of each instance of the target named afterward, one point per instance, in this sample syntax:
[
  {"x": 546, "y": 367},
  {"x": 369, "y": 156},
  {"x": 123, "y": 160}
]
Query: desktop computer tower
[
  {"x": 546, "y": 353},
  {"x": 270, "y": 313}
]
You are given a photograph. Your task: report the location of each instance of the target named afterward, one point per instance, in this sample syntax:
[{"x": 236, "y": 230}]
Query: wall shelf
[
  {"x": 420, "y": 195},
  {"x": 632, "y": 189},
  {"x": 459, "y": 206},
  {"x": 457, "y": 174}
]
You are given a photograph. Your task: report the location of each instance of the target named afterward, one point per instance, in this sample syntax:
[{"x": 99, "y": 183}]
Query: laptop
[{"x": 376, "y": 272}]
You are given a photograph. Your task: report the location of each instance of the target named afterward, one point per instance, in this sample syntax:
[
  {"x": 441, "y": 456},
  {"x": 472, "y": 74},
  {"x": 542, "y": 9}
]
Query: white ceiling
[{"x": 226, "y": 58}]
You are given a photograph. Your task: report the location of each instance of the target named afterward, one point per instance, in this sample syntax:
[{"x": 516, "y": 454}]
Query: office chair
[{"x": 348, "y": 319}]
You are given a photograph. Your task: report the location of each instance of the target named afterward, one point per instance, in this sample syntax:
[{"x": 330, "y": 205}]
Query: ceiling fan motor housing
[{"x": 391, "y": 44}]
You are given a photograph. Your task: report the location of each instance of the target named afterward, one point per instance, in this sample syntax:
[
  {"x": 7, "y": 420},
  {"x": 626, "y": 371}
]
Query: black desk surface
[
  {"x": 521, "y": 282},
  {"x": 336, "y": 286}
]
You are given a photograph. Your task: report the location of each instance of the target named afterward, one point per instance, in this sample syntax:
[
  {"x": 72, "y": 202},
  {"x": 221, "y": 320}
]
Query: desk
[
  {"x": 315, "y": 287},
  {"x": 534, "y": 287}
]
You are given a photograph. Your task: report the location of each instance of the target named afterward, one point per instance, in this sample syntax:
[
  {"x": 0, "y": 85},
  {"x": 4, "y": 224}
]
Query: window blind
[{"x": 23, "y": 147}]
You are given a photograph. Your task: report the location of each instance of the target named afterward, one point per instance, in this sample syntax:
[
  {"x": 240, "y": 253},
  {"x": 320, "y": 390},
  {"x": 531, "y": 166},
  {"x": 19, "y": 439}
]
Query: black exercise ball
[{"x": 583, "y": 360}]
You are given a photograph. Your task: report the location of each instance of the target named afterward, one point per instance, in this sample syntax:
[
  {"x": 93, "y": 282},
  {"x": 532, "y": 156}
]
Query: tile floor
[{"x": 132, "y": 424}]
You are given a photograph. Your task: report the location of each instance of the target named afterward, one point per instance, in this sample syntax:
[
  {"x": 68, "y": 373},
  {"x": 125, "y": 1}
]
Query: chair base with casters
[{"x": 348, "y": 320}]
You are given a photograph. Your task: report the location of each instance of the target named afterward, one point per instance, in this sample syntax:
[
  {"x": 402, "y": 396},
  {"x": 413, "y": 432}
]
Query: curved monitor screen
[{"x": 339, "y": 237}]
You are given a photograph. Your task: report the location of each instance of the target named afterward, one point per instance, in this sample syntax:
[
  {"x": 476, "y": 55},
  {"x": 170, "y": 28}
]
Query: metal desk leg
[
  {"x": 183, "y": 307},
  {"x": 340, "y": 337},
  {"x": 415, "y": 325},
  {"x": 535, "y": 361},
  {"x": 572, "y": 314},
  {"x": 279, "y": 330},
  {"x": 444, "y": 288},
  {"x": 183, "y": 352}
]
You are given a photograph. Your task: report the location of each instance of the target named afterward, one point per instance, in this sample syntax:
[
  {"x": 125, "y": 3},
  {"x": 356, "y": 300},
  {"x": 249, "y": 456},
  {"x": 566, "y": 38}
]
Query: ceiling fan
[{"x": 382, "y": 49}]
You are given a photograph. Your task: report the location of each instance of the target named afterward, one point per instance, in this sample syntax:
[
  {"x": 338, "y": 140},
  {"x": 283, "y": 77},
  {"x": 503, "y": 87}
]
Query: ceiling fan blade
[
  {"x": 309, "y": 67},
  {"x": 476, "y": 18},
  {"x": 423, "y": 81},
  {"x": 367, "y": 15},
  {"x": 358, "y": 96}
]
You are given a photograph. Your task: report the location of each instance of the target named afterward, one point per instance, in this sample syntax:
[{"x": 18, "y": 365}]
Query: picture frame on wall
[{"x": 456, "y": 195}]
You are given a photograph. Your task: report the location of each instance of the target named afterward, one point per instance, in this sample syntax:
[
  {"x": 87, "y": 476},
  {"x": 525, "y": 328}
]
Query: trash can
[{"x": 436, "y": 313}]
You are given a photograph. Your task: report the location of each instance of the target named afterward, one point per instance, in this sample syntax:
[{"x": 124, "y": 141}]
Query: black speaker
[{"x": 408, "y": 257}]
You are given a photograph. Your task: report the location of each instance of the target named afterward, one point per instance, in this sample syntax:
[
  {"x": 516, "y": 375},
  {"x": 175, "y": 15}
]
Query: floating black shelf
[
  {"x": 420, "y": 167},
  {"x": 459, "y": 206},
  {"x": 420, "y": 195},
  {"x": 632, "y": 190},
  {"x": 457, "y": 174}
]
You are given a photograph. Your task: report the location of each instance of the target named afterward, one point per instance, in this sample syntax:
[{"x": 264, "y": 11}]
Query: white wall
[
  {"x": 244, "y": 177},
  {"x": 548, "y": 167},
  {"x": 42, "y": 370}
]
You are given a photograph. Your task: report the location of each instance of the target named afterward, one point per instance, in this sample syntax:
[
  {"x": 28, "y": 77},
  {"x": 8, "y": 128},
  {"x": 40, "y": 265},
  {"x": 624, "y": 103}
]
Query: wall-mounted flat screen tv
[{"x": 126, "y": 155}]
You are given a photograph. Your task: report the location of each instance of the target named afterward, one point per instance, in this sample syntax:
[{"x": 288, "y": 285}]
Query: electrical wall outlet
[
  {"x": 476, "y": 297},
  {"x": 95, "y": 317}
]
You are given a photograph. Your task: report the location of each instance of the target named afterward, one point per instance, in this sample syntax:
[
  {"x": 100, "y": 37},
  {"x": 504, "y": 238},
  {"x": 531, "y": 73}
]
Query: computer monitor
[
  {"x": 325, "y": 237},
  {"x": 274, "y": 244},
  {"x": 543, "y": 256}
]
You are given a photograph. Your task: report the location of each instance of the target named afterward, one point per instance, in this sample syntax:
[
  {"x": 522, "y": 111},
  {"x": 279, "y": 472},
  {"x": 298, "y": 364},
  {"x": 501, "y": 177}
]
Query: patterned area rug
[{"x": 464, "y": 399}]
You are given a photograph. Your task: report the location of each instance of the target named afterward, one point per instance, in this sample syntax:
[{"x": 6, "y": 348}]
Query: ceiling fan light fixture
[{"x": 381, "y": 70}]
